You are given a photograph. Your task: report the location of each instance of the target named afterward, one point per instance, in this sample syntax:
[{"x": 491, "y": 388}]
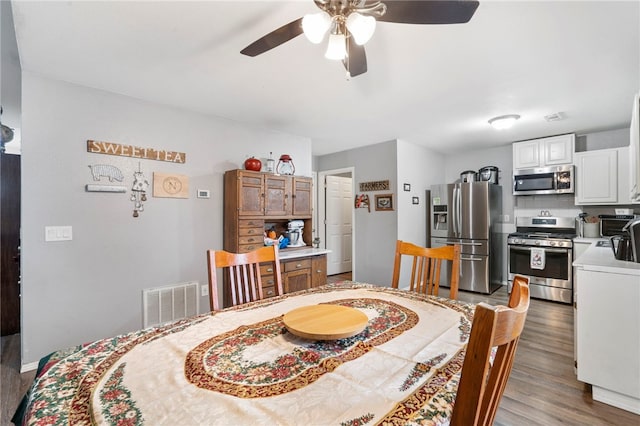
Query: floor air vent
[{"x": 170, "y": 303}]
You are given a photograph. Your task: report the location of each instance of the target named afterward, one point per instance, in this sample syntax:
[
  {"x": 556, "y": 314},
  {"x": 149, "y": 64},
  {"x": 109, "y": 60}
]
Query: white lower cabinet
[{"x": 608, "y": 336}]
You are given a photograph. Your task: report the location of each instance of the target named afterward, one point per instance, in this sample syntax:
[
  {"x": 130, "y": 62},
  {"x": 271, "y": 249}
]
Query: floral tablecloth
[{"x": 241, "y": 366}]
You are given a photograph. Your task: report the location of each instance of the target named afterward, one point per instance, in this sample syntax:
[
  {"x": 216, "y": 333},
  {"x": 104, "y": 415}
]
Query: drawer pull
[
  {"x": 270, "y": 282},
  {"x": 269, "y": 269},
  {"x": 250, "y": 231},
  {"x": 270, "y": 293},
  {"x": 319, "y": 271},
  {"x": 299, "y": 265}
]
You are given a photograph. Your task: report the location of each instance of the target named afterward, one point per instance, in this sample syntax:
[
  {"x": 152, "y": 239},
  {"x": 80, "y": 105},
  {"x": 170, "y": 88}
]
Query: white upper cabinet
[
  {"x": 602, "y": 176},
  {"x": 552, "y": 151}
]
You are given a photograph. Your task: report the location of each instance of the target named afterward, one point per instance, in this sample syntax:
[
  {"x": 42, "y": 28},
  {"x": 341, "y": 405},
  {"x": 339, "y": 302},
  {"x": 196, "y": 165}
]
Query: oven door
[{"x": 557, "y": 270}]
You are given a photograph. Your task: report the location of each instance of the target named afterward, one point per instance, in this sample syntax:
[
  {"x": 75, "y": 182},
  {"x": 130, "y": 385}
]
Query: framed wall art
[
  {"x": 362, "y": 202},
  {"x": 384, "y": 202}
]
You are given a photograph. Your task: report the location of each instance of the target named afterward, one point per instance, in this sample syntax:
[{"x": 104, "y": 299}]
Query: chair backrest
[
  {"x": 426, "y": 266},
  {"x": 243, "y": 274},
  {"x": 482, "y": 383}
]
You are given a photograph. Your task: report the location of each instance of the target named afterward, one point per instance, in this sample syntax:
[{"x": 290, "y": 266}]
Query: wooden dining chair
[
  {"x": 482, "y": 383},
  {"x": 426, "y": 266},
  {"x": 243, "y": 274}
]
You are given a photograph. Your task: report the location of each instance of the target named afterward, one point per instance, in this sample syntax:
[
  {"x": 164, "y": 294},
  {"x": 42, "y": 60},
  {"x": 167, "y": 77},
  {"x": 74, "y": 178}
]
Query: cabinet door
[
  {"x": 608, "y": 320},
  {"x": 526, "y": 155},
  {"x": 557, "y": 150},
  {"x": 597, "y": 177},
  {"x": 296, "y": 280},
  {"x": 318, "y": 270},
  {"x": 276, "y": 198},
  {"x": 250, "y": 194},
  {"x": 302, "y": 197}
]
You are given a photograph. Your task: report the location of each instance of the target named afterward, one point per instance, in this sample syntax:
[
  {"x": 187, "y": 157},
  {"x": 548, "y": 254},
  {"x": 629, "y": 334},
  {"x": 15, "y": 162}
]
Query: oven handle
[{"x": 528, "y": 248}]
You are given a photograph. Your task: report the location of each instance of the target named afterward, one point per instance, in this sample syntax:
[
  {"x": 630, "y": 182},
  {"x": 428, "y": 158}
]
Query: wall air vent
[
  {"x": 556, "y": 116},
  {"x": 163, "y": 304}
]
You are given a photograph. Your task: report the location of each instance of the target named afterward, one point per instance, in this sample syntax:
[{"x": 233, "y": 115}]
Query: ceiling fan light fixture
[
  {"x": 361, "y": 27},
  {"x": 504, "y": 121},
  {"x": 336, "y": 50},
  {"x": 315, "y": 26}
]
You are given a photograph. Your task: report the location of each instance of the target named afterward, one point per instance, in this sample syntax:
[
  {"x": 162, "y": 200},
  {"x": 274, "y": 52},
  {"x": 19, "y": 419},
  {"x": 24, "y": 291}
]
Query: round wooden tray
[{"x": 325, "y": 322}]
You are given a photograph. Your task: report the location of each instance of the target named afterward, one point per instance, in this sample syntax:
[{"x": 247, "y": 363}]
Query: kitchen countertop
[
  {"x": 294, "y": 253},
  {"x": 602, "y": 259},
  {"x": 587, "y": 240}
]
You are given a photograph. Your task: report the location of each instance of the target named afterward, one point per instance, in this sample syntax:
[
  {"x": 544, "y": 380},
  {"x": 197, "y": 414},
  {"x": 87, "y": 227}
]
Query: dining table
[{"x": 242, "y": 366}]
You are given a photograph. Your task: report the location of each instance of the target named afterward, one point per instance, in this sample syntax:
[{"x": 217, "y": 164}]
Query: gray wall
[
  {"x": 421, "y": 168},
  {"x": 90, "y": 288},
  {"x": 10, "y": 79},
  {"x": 376, "y": 232}
]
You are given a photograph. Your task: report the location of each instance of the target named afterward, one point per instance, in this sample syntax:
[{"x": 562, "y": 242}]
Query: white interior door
[{"x": 339, "y": 224}]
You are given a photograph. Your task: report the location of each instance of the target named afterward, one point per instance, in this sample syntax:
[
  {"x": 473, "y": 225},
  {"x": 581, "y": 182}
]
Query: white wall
[{"x": 90, "y": 287}]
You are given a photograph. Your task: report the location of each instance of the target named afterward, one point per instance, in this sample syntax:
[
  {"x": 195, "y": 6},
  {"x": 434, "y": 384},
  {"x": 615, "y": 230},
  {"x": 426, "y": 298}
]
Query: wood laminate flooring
[{"x": 542, "y": 389}]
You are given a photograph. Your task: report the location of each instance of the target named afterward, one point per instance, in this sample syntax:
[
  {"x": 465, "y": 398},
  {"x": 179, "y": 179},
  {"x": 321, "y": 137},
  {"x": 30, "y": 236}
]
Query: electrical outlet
[{"x": 204, "y": 290}]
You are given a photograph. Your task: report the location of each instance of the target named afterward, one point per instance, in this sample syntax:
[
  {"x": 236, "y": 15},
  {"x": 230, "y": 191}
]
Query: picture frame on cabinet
[{"x": 384, "y": 202}]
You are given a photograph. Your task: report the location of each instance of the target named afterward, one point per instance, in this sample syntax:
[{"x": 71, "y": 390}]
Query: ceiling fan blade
[
  {"x": 274, "y": 38},
  {"x": 429, "y": 11},
  {"x": 356, "y": 60}
]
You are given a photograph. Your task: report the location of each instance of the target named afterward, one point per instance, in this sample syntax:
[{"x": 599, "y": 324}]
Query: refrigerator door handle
[
  {"x": 471, "y": 258},
  {"x": 459, "y": 212},
  {"x": 456, "y": 210},
  {"x": 462, "y": 243}
]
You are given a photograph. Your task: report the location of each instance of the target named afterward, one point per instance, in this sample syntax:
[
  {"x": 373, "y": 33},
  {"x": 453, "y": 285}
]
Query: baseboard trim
[{"x": 28, "y": 367}]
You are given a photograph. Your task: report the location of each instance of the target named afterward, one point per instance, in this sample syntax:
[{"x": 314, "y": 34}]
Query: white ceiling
[{"x": 433, "y": 85}]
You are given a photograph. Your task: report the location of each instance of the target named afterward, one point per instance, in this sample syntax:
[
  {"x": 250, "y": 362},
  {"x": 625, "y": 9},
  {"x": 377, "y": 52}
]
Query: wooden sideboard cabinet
[{"x": 256, "y": 201}]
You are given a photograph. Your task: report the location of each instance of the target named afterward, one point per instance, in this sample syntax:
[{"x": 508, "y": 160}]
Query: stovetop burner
[
  {"x": 543, "y": 235},
  {"x": 545, "y": 231}
]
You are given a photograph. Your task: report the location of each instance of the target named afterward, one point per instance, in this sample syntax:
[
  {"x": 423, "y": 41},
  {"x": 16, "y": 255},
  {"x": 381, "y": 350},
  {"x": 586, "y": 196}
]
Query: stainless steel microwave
[{"x": 544, "y": 180}]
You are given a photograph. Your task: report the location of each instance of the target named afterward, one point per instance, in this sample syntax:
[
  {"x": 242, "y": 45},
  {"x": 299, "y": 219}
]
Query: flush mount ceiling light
[{"x": 504, "y": 121}]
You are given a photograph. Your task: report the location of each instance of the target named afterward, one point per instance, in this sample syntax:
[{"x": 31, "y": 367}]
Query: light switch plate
[
  {"x": 204, "y": 290},
  {"x": 58, "y": 233}
]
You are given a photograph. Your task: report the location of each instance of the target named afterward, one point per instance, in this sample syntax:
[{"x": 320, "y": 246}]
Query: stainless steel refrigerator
[{"x": 467, "y": 214}]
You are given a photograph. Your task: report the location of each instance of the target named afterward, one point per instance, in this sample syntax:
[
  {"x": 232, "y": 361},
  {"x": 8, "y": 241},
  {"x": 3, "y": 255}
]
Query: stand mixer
[{"x": 294, "y": 233}]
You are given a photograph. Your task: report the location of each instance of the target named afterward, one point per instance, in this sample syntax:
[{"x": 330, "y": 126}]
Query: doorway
[
  {"x": 336, "y": 217},
  {"x": 9, "y": 244}
]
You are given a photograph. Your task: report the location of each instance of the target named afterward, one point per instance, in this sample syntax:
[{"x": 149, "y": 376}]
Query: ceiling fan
[{"x": 351, "y": 23}]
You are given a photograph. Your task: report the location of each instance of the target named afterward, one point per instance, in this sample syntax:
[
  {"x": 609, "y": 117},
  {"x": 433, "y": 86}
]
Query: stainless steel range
[{"x": 542, "y": 249}]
